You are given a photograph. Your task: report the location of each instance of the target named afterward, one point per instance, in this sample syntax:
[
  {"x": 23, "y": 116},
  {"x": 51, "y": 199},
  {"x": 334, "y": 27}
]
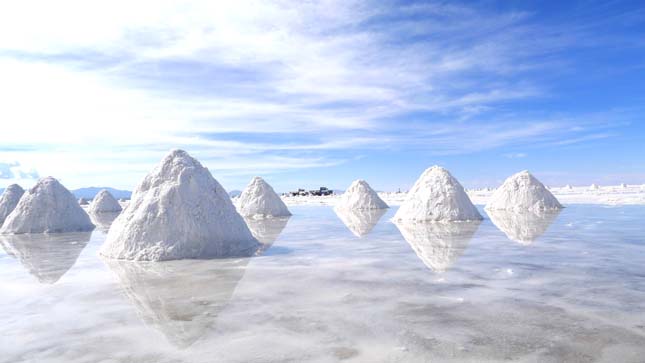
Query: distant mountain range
[
  {"x": 89, "y": 193},
  {"x": 234, "y": 193}
]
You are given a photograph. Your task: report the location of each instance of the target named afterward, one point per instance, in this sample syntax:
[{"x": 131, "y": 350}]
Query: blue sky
[{"x": 322, "y": 93}]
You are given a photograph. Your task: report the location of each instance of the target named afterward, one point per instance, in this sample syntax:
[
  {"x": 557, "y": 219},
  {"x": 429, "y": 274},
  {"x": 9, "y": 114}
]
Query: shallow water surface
[{"x": 328, "y": 287}]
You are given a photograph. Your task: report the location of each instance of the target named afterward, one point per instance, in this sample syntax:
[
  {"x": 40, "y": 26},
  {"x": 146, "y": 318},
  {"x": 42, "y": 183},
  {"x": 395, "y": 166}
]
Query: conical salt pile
[
  {"x": 259, "y": 200},
  {"x": 83, "y": 201},
  {"x": 594, "y": 187},
  {"x": 9, "y": 200},
  {"x": 179, "y": 211},
  {"x": 104, "y": 202},
  {"x": 523, "y": 192},
  {"x": 437, "y": 196},
  {"x": 360, "y": 196},
  {"x": 48, "y": 207}
]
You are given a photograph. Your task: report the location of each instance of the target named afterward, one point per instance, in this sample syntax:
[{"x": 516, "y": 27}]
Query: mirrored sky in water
[{"x": 548, "y": 288}]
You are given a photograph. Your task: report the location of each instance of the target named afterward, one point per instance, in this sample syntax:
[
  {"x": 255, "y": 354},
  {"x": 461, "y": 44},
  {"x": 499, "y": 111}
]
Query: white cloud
[{"x": 95, "y": 92}]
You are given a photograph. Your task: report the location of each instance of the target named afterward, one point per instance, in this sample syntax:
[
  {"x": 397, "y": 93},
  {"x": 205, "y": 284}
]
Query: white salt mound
[
  {"x": 104, "y": 202},
  {"x": 9, "y": 200},
  {"x": 259, "y": 200},
  {"x": 83, "y": 201},
  {"x": 437, "y": 196},
  {"x": 360, "y": 196},
  {"x": 48, "y": 207},
  {"x": 178, "y": 211},
  {"x": 594, "y": 187},
  {"x": 523, "y": 192}
]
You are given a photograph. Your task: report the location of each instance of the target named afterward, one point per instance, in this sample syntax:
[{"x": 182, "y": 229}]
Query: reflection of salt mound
[
  {"x": 47, "y": 207},
  {"x": 438, "y": 245},
  {"x": 437, "y": 196},
  {"x": 83, "y": 201},
  {"x": 103, "y": 221},
  {"x": 359, "y": 196},
  {"x": 260, "y": 200},
  {"x": 523, "y": 227},
  {"x": 104, "y": 202},
  {"x": 522, "y": 192},
  {"x": 266, "y": 230},
  {"x": 9, "y": 200},
  {"x": 360, "y": 222},
  {"x": 181, "y": 299},
  {"x": 46, "y": 256},
  {"x": 178, "y": 211}
]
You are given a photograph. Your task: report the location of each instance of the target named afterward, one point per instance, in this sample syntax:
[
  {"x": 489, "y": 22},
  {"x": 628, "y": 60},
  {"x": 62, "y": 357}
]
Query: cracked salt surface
[{"x": 321, "y": 294}]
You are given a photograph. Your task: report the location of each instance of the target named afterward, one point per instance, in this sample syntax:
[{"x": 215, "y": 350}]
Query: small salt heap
[
  {"x": 48, "y": 207},
  {"x": 360, "y": 196},
  {"x": 83, "y": 201},
  {"x": 9, "y": 200},
  {"x": 594, "y": 187},
  {"x": 179, "y": 211},
  {"x": 259, "y": 200},
  {"x": 437, "y": 196},
  {"x": 104, "y": 202},
  {"x": 523, "y": 192}
]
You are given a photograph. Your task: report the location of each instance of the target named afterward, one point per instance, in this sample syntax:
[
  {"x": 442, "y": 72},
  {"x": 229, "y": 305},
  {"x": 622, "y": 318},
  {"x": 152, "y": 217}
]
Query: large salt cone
[
  {"x": 438, "y": 245},
  {"x": 179, "y": 211},
  {"x": 46, "y": 256},
  {"x": 360, "y": 196},
  {"x": 48, "y": 207},
  {"x": 523, "y": 192},
  {"x": 259, "y": 200},
  {"x": 360, "y": 221},
  {"x": 180, "y": 299},
  {"x": 437, "y": 197},
  {"x": 103, "y": 221},
  {"x": 9, "y": 200},
  {"x": 523, "y": 227},
  {"x": 104, "y": 202}
]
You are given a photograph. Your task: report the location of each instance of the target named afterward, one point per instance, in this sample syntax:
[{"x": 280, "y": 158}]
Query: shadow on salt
[
  {"x": 523, "y": 227},
  {"x": 46, "y": 256},
  {"x": 439, "y": 245}
]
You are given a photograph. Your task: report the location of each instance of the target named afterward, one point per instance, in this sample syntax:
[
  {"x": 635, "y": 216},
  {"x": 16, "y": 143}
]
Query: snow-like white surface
[
  {"x": 179, "y": 211},
  {"x": 48, "y": 207},
  {"x": 9, "y": 200},
  {"x": 523, "y": 192},
  {"x": 605, "y": 195},
  {"x": 259, "y": 200},
  {"x": 104, "y": 202},
  {"x": 437, "y": 196},
  {"x": 360, "y": 196}
]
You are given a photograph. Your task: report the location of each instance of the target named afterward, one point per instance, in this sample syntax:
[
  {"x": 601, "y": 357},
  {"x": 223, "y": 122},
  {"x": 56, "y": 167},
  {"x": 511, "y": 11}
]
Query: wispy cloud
[{"x": 139, "y": 78}]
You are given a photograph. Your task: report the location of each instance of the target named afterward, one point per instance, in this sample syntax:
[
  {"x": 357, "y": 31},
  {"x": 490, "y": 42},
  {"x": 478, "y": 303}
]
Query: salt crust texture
[
  {"x": 9, "y": 200},
  {"x": 523, "y": 192},
  {"x": 179, "y": 211},
  {"x": 360, "y": 196},
  {"x": 104, "y": 202},
  {"x": 259, "y": 200},
  {"x": 437, "y": 197},
  {"x": 48, "y": 207}
]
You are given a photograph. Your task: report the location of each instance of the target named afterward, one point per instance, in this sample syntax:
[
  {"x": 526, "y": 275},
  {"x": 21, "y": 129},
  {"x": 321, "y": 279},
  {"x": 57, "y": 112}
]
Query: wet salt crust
[{"x": 321, "y": 294}]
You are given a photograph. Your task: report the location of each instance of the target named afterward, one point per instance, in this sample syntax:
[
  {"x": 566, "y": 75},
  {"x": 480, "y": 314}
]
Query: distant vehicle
[
  {"x": 298, "y": 192},
  {"x": 320, "y": 192}
]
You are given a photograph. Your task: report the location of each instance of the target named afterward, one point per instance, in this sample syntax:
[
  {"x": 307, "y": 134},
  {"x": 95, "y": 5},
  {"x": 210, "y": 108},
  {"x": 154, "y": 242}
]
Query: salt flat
[
  {"x": 567, "y": 287},
  {"x": 607, "y": 195}
]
